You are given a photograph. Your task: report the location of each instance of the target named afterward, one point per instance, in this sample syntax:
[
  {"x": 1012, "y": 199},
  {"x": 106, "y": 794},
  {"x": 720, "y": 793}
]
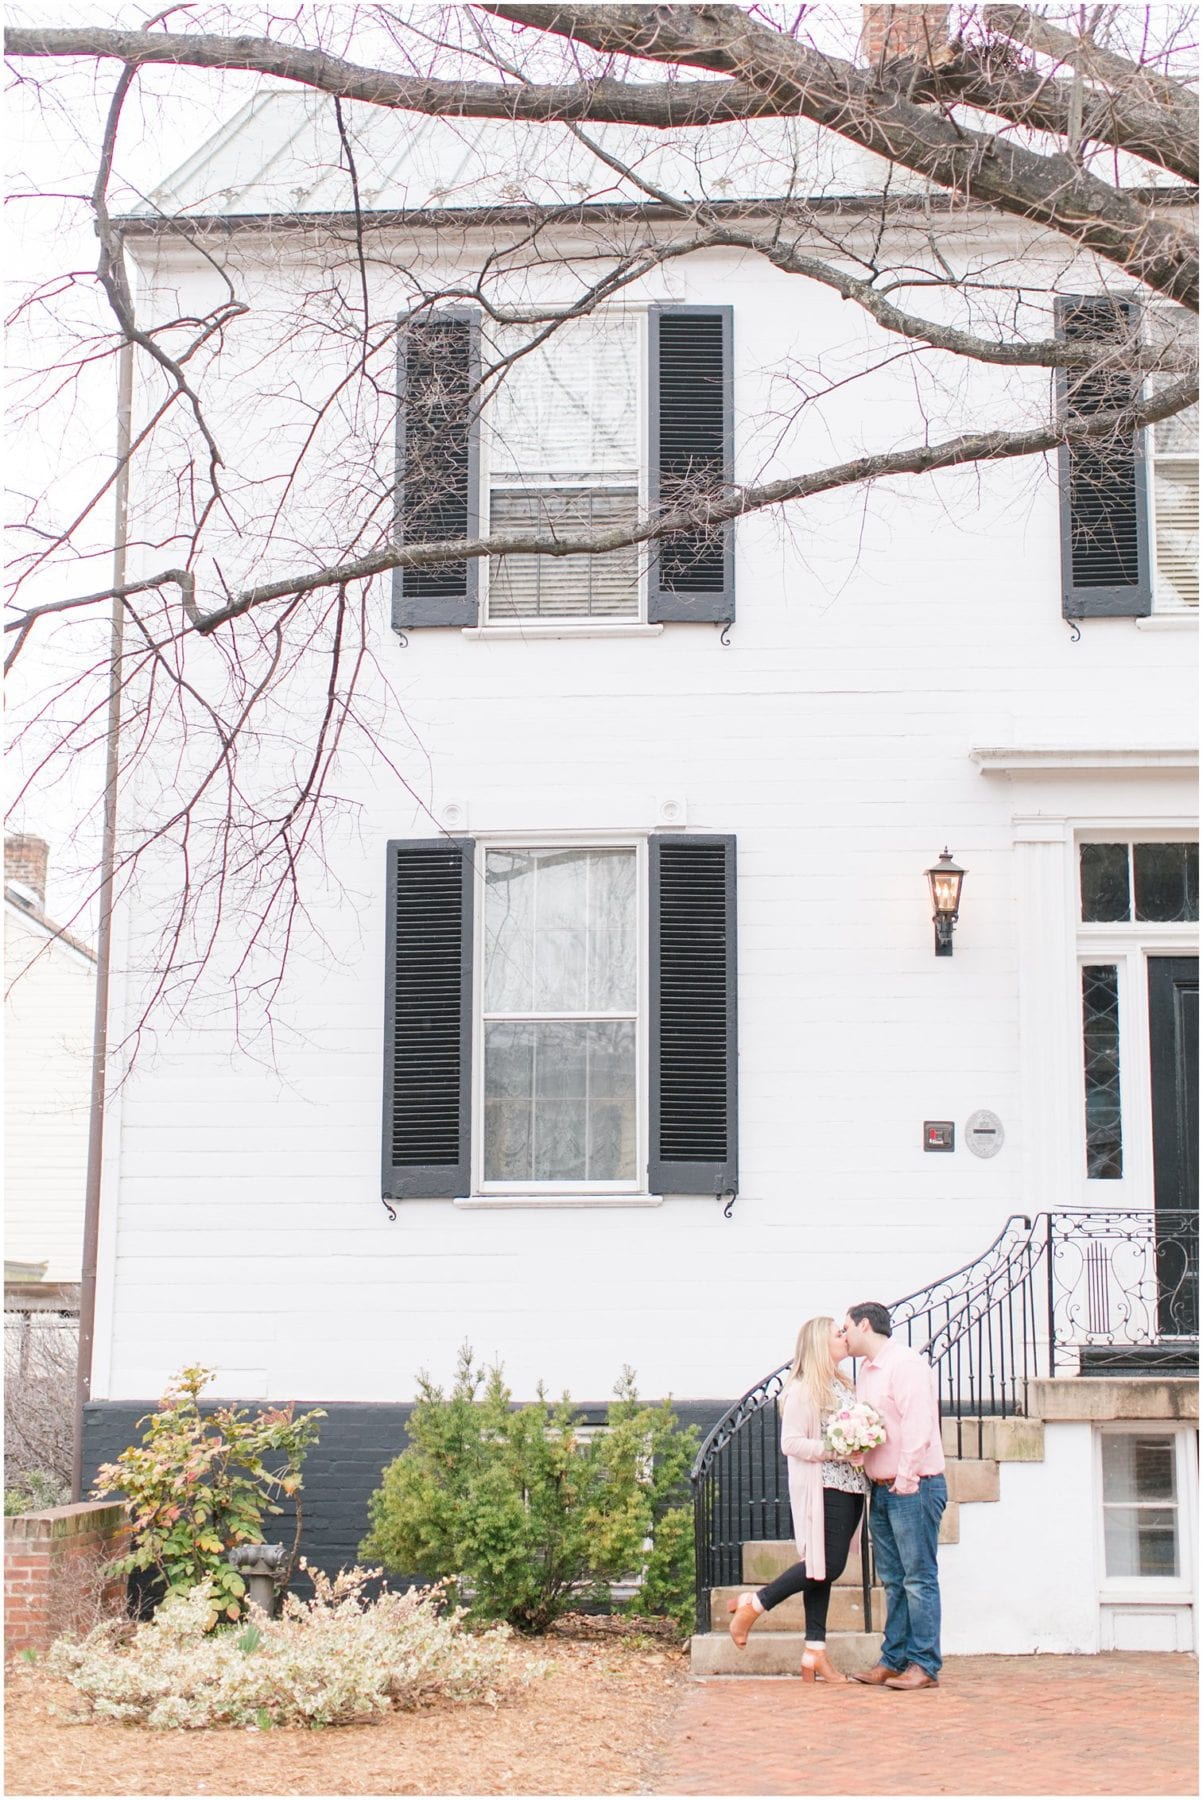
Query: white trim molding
[{"x": 1020, "y": 759}]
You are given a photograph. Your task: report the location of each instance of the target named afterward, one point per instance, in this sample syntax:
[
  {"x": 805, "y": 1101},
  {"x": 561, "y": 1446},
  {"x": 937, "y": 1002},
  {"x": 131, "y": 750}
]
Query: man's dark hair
[{"x": 873, "y": 1314}]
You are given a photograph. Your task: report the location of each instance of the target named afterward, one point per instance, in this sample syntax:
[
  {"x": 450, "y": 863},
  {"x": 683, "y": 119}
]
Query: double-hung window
[
  {"x": 560, "y": 1019},
  {"x": 563, "y": 435},
  {"x": 558, "y": 430},
  {"x": 1174, "y": 477}
]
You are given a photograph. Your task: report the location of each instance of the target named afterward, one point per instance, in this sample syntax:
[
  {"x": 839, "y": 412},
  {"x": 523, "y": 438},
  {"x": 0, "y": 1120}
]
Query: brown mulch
[{"x": 594, "y": 1724}]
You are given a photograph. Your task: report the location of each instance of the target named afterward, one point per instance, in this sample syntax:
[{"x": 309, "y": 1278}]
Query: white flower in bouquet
[{"x": 853, "y": 1430}]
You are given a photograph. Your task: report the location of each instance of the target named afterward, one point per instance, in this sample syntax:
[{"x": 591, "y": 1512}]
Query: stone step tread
[
  {"x": 846, "y": 1612},
  {"x": 767, "y": 1558},
  {"x": 779, "y": 1653},
  {"x": 1012, "y": 1438}
]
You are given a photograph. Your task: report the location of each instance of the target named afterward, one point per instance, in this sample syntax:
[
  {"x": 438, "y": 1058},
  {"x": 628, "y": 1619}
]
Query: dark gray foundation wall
[{"x": 358, "y": 1439}]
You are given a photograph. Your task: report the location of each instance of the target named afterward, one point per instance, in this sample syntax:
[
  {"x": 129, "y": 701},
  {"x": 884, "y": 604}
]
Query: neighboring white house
[
  {"x": 49, "y": 1001},
  {"x": 642, "y": 942}
]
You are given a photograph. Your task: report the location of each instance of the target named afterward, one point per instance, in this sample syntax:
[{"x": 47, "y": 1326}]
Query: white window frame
[
  {"x": 548, "y": 624},
  {"x": 586, "y": 1192},
  {"x": 1130, "y": 946},
  {"x": 1168, "y": 1588}
]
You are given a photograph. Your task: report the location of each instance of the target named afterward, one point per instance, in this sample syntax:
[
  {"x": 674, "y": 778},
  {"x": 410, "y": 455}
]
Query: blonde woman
[{"x": 826, "y": 1496}]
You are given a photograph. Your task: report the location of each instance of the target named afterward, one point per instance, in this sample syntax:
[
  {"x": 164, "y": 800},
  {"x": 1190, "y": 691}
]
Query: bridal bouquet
[{"x": 853, "y": 1430}]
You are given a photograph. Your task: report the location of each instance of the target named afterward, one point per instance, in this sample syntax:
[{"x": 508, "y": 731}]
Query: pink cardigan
[{"x": 802, "y": 1445}]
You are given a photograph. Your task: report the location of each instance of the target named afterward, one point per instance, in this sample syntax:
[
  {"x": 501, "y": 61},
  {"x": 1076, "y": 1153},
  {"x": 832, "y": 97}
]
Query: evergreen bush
[{"x": 526, "y": 1514}]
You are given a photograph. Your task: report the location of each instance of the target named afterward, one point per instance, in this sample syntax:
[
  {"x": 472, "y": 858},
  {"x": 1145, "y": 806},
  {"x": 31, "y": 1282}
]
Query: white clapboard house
[{"x": 629, "y": 1038}]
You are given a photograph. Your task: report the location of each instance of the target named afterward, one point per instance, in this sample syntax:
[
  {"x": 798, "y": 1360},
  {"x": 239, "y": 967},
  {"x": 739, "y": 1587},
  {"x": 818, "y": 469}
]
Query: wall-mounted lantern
[{"x": 945, "y": 880}]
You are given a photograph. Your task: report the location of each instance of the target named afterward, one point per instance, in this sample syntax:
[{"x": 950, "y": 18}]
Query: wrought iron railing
[{"x": 1074, "y": 1292}]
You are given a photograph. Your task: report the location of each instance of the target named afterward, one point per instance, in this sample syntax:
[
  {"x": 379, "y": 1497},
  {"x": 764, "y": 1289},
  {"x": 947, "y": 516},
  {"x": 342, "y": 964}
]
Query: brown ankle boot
[{"x": 744, "y": 1613}]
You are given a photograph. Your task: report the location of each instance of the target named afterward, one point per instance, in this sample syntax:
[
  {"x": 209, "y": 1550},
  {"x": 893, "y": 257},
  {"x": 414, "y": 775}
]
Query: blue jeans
[{"x": 905, "y": 1529}]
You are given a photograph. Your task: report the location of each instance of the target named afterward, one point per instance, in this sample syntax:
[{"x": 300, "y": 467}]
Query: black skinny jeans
[{"x": 841, "y": 1516}]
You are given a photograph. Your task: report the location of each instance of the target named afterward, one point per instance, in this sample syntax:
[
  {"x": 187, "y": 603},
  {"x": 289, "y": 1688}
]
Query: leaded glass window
[
  {"x": 1100, "y": 1054},
  {"x": 1151, "y": 883}
]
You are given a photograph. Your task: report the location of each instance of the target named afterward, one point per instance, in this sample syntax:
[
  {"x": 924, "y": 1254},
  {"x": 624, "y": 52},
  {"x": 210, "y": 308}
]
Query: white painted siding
[
  {"x": 49, "y": 998},
  {"x": 880, "y": 639}
]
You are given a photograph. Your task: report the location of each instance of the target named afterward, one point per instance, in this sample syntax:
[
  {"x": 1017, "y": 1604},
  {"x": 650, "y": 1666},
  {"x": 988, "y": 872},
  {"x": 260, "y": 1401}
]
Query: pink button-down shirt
[{"x": 902, "y": 1386}]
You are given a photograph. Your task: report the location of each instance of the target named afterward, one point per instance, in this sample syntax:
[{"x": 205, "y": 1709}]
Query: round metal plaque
[{"x": 984, "y": 1133}]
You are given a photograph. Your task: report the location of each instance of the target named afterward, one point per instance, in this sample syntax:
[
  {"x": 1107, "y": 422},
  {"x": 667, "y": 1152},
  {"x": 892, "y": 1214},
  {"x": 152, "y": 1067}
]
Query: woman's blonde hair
[{"x": 813, "y": 1364}]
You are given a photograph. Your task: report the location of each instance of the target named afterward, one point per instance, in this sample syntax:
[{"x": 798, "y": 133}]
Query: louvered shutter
[
  {"x": 428, "y": 1019},
  {"x": 438, "y": 460},
  {"x": 693, "y": 1076},
  {"x": 691, "y": 432},
  {"x": 1104, "y": 503}
]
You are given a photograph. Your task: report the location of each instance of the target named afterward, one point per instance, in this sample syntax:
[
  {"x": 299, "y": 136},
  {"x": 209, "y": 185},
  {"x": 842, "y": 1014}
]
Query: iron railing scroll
[{"x": 1077, "y": 1292}]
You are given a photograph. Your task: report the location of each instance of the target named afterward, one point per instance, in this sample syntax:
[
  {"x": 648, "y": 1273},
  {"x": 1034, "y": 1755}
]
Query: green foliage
[
  {"x": 525, "y": 1514},
  {"x": 198, "y": 1484},
  {"x": 33, "y": 1491}
]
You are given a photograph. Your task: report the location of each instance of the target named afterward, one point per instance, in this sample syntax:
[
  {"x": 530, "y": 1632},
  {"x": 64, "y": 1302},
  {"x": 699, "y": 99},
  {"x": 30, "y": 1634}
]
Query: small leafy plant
[
  {"x": 199, "y": 1483},
  {"x": 525, "y": 1513},
  {"x": 331, "y": 1660}
]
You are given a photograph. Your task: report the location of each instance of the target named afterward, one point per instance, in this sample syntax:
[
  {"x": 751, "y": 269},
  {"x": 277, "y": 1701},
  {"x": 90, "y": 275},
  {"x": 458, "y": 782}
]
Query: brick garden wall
[{"x": 53, "y": 1572}]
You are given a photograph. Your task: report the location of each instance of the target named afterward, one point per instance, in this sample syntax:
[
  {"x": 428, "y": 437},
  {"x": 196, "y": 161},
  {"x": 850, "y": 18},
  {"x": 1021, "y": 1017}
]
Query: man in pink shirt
[{"x": 907, "y": 1496}]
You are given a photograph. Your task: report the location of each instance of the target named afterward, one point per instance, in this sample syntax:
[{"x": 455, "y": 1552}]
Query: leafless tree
[{"x": 247, "y": 656}]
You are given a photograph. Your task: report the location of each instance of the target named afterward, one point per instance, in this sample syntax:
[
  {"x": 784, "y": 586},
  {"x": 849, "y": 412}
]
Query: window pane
[
  {"x": 1104, "y": 877},
  {"x": 1100, "y": 1047},
  {"x": 1137, "y": 1467},
  {"x": 561, "y": 890},
  {"x": 568, "y": 408},
  {"x": 560, "y": 1101},
  {"x": 1167, "y": 881},
  {"x": 1176, "y": 522},
  {"x": 1140, "y": 1541},
  {"x": 612, "y": 927},
  {"x": 509, "y": 931},
  {"x": 564, "y": 587},
  {"x": 560, "y": 931}
]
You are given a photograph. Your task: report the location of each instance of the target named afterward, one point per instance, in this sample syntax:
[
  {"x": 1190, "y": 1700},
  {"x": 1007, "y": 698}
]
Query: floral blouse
[{"x": 846, "y": 1476}]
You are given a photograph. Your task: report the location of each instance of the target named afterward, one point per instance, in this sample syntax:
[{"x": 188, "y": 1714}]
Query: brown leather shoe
[
  {"x": 876, "y": 1677},
  {"x": 912, "y": 1677}
]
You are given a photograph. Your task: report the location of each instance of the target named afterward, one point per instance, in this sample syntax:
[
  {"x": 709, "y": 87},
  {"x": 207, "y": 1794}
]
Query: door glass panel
[
  {"x": 1104, "y": 876},
  {"x": 1167, "y": 881},
  {"x": 1138, "y": 1468}
]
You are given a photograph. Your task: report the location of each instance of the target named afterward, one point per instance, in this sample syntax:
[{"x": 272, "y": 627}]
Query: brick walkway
[{"x": 1052, "y": 1725}]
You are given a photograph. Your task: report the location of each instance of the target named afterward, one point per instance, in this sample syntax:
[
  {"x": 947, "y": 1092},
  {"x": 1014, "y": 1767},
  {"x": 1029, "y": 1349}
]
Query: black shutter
[
  {"x": 691, "y": 427},
  {"x": 1104, "y": 505},
  {"x": 437, "y": 464},
  {"x": 693, "y": 1039},
  {"x": 428, "y": 1019}
]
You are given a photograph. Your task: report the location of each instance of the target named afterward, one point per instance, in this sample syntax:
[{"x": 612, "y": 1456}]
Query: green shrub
[
  {"x": 198, "y": 1484},
  {"x": 526, "y": 1514},
  {"x": 332, "y": 1660}
]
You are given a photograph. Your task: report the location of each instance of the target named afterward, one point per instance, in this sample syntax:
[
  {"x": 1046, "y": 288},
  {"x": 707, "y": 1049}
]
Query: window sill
[
  {"x": 502, "y": 1202},
  {"x": 1185, "y": 620},
  {"x": 587, "y": 628}
]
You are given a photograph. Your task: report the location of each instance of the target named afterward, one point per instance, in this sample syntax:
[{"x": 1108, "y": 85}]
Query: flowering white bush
[
  {"x": 327, "y": 1661},
  {"x": 853, "y": 1430}
]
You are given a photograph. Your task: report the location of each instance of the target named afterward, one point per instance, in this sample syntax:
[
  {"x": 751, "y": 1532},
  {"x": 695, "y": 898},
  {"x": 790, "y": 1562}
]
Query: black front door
[{"x": 1174, "y": 1065}]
